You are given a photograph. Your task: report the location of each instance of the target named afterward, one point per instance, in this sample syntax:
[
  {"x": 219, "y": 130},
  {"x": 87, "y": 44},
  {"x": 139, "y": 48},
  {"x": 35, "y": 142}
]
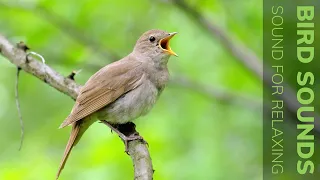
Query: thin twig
[
  {"x": 18, "y": 107},
  {"x": 73, "y": 74}
]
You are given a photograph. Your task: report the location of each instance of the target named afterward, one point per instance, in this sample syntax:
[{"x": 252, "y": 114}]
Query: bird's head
[{"x": 155, "y": 44}]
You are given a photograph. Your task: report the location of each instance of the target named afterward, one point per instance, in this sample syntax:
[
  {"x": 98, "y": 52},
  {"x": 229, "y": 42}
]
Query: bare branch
[
  {"x": 137, "y": 149},
  {"x": 38, "y": 69},
  {"x": 142, "y": 166}
]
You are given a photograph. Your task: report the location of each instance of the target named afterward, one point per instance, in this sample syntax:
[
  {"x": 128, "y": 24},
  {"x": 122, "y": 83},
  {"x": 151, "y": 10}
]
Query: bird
[{"x": 122, "y": 91}]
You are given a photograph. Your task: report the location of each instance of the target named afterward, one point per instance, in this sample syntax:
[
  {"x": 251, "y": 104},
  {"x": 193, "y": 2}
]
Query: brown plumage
[
  {"x": 73, "y": 136},
  {"x": 104, "y": 87},
  {"x": 124, "y": 90}
]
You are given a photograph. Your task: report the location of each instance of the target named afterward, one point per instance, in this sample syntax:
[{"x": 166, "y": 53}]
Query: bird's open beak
[{"x": 164, "y": 44}]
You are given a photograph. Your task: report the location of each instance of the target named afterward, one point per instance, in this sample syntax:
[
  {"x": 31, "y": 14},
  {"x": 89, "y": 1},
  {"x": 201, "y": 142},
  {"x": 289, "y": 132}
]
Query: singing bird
[{"x": 123, "y": 90}]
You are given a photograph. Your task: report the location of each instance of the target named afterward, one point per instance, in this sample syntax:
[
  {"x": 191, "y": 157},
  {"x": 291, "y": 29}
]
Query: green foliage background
[{"x": 191, "y": 134}]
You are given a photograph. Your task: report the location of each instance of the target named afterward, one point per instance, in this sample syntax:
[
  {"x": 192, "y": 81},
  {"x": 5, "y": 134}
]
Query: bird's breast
[{"x": 131, "y": 105}]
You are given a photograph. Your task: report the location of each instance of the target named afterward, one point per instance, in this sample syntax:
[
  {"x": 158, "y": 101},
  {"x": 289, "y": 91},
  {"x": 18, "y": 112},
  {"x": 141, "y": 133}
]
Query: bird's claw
[
  {"x": 126, "y": 138},
  {"x": 126, "y": 141}
]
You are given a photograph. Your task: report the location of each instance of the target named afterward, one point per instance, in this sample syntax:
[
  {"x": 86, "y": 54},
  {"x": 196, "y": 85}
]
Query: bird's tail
[
  {"x": 72, "y": 141},
  {"x": 78, "y": 129}
]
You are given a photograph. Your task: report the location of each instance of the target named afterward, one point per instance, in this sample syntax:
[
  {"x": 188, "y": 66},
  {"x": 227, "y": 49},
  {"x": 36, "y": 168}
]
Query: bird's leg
[{"x": 126, "y": 132}]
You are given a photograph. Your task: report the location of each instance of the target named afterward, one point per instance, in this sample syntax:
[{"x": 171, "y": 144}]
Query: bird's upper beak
[{"x": 164, "y": 44}]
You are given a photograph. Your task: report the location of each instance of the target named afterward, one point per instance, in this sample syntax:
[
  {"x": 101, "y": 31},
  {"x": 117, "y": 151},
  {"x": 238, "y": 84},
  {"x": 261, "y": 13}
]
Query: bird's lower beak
[{"x": 164, "y": 44}]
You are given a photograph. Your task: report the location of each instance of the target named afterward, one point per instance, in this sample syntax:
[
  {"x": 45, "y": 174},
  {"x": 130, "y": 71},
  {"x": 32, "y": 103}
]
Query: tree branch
[{"x": 138, "y": 150}]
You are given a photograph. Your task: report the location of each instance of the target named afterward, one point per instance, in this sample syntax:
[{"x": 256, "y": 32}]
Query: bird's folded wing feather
[{"x": 104, "y": 87}]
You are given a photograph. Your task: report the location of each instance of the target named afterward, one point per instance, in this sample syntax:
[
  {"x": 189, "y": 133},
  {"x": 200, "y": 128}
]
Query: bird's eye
[{"x": 151, "y": 38}]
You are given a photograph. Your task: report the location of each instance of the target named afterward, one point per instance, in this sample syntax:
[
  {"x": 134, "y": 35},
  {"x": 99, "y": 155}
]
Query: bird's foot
[
  {"x": 127, "y": 132},
  {"x": 132, "y": 137}
]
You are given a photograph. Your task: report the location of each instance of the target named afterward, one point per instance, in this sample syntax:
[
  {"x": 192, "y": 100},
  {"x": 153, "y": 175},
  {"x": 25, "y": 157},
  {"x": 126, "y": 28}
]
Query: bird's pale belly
[{"x": 130, "y": 105}]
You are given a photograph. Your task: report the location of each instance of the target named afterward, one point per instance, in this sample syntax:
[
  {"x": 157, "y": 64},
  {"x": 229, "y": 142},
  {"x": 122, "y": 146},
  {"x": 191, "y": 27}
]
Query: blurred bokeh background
[{"x": 207, "y": 123}]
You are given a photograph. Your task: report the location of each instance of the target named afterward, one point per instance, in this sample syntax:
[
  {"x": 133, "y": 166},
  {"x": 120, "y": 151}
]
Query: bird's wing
[{"x": 104, "y": 87}]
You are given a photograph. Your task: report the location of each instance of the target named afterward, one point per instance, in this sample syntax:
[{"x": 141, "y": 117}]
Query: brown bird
[{"x": 123, "y": 90}]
